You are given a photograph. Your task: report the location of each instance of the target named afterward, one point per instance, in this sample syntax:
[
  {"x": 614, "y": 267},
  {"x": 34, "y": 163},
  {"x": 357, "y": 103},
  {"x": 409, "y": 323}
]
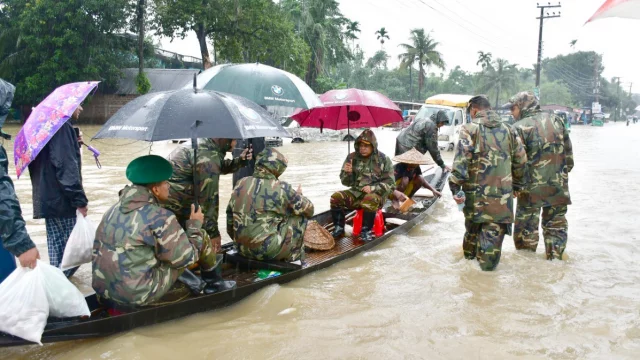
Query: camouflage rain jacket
[
  {"x": 375, "y": 171},
  {"x": 489, "y": 167},
  {"x": 260, "y": 205},
  {"x": 211, "y": 164},
  {"x": 140, "y": 249},
  {"x": 423, "y": 135},
  {"x": 549, "y": 159}
]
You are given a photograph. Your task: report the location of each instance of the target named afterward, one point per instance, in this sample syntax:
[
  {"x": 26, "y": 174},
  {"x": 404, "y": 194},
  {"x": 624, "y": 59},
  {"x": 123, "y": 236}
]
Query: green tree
[
  {"x": 484, "y": 59},
  {"x": 62, "y": 42},
  {"x": 501, "y": 76},
  {"x": 424, "y": 50},
  {"x": 378, "y": 60},
  {"x": 320, "y": 24},
  {"x": 555, "y": 93},
  {"x": 579, "y": 71},
  {"x": 353, "y": 28},
  {"x": 382, "y": 34}
]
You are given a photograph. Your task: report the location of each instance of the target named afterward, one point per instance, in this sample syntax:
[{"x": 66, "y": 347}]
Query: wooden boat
[{"x": 243, "y": 271}]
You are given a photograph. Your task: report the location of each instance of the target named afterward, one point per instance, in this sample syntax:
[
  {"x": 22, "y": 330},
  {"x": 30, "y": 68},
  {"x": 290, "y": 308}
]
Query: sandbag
[
  {"x": 80, "y": 243},
  {"x": 65, "y": 300},
  {"x": 23, "y": 304}
]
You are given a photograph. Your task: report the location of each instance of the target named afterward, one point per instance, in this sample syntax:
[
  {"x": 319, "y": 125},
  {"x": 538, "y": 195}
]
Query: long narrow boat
[{"x": 243, "y": 271}]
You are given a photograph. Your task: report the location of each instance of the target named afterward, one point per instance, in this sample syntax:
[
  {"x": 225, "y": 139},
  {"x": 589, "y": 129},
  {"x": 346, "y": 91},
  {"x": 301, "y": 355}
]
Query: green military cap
[{"x": 149, "y": 169}]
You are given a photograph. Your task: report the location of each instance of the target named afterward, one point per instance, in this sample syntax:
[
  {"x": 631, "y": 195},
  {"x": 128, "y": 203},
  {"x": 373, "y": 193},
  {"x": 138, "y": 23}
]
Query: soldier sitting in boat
[
  {"x": 266, "y": 217},
  {"x": 369, "y": 174},
  {"x": 409, "y": 177},
  {"x": 140, "y": 249}
]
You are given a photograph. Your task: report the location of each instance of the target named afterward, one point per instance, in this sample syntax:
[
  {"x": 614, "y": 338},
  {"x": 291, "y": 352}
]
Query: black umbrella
[{"x": 190, "y": 113}]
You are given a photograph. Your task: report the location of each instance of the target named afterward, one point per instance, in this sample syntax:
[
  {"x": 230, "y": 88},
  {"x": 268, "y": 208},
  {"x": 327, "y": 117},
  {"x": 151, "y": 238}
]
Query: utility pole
[
  {"x": 542, "y": 18},
  {"x": 596, "y": 82}
]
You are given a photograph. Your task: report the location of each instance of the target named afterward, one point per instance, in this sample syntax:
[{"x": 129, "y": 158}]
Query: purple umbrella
[{"x": 46, "y": 119}]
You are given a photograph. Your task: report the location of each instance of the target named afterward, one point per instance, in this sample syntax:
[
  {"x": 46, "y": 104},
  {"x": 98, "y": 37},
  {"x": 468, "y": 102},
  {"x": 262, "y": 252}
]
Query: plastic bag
[
  {"x": 23, "y": 304},
  {"x": 80, "y": 243},
  {"x": 65, "y": 300}
]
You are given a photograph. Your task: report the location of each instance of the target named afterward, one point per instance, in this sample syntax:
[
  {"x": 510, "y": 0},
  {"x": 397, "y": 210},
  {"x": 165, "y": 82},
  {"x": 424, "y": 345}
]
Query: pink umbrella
[
  {"x": 629, "y": 9},
  {"x": 46, "y": 119},
  {"x": 344, "y": 109}
]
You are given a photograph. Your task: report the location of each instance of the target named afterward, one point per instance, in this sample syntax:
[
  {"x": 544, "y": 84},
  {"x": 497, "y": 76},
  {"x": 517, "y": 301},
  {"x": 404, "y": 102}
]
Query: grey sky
[{"x": 506, "y": 28}]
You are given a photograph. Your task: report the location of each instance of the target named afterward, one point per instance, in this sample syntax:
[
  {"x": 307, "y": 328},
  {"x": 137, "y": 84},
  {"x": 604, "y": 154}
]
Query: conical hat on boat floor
[
  {"x": 413, "y": 157},
  {"x": 318, "y": 238}
]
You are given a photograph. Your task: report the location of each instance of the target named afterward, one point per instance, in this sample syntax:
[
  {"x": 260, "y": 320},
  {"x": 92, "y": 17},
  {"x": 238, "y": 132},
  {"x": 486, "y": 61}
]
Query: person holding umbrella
[
  {"x": 210, "y": 165},
  {"x": 422, "y": 134},
  {"x": 49, "y": 145},
  {"x": 369, "y": 175}
]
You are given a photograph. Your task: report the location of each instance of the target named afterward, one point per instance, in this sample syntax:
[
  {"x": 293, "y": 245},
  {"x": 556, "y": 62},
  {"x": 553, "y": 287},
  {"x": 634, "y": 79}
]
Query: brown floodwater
[{"x": 415, "y": 296}]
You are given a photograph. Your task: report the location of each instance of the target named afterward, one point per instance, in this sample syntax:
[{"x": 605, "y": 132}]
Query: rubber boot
[
  {"x": 367, "y": 226},
  {"x": 193, "y": 282},
  {"x": 338, "y": 221},
  {"x": 215, "y": 282}
]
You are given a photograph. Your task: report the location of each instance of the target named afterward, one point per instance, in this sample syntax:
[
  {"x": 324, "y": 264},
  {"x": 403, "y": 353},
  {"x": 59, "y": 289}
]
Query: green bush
[{"x": 143, "y": 85}]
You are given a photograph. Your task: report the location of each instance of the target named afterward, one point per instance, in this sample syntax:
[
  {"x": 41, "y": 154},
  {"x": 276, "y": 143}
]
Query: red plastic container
[{"x": 378, "y": 223}]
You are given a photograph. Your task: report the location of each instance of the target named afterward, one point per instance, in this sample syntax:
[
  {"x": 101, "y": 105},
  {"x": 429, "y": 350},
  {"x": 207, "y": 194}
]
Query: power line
[{"x": 542, "y": 18}]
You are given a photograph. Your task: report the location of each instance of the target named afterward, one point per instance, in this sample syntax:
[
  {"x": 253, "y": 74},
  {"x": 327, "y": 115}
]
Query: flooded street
[{"x": 414, "y": 296}]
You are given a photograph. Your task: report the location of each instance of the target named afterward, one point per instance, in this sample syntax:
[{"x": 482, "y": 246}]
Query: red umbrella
[
  {"x": 629, "y": 9},
  {"x": 362, "y": 108}
]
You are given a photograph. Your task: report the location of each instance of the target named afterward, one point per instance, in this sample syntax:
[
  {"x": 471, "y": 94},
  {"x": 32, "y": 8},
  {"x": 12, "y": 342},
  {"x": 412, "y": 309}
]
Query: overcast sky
[{"x": 506, "y": 28}]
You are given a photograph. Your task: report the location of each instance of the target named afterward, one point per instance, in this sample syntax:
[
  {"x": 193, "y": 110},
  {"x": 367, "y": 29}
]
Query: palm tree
[
  {"x": 382, "y": 34},
  {"x": 423, "y": 49},
  {"x": 378, "y": 60},
  {"x": 572, "y": 43},
  {"x": 353, "y": 27},
  {"x": 500, "y": 76},
  {"x": 484, "y": 59}
]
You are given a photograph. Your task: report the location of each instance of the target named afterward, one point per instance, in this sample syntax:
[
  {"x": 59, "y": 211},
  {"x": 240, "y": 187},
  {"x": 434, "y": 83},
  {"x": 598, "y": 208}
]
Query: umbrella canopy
[
  {"x": 46, "y": 119},
  {"x": 365, "y": 109},
  {"x": 629, "y": 9},
  {"x": 262, "y": 84},
  {"x": 171, "y": 114}
]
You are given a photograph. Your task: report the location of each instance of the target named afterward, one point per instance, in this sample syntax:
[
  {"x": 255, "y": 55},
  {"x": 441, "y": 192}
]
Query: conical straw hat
[
  {"x": 318, "y": 238},
  {"x": 414, "y": 157}
]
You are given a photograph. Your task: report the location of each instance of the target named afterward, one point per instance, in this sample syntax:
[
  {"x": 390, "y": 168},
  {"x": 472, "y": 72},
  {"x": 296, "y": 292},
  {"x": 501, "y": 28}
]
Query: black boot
[
  {"x": 215, "y": 282},
  {"x": 338, "y": 222},
  {"x": 193, "y": 282},
  {"x": 367, "y": 226}
]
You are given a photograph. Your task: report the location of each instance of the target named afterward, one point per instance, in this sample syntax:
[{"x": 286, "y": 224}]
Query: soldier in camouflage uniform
[
  {"x": 140, "y": 249},
  {"x": 550, "y": 159},
  {"x": 211, "y": 164},
  {"x": 488, "y": 167},
  {"x": 422, "y": 134},
  {"x": 369, "y": 174},
  {"x": 266, "y": 217}
]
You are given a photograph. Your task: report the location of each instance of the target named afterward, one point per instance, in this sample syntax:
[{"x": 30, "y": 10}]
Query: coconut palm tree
[
  {"x": 500, "y": 76},
  {"x": 484, "y": 59},
  {"x": 378, "y": 60},
  {"x": 353, "y": 27},
  {"x": 382, "y": 34},
  {"x": 423, "y": 50}
]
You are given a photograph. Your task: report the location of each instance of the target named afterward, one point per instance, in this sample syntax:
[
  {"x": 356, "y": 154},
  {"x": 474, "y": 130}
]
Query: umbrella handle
[{"x": 194, "y": 146}]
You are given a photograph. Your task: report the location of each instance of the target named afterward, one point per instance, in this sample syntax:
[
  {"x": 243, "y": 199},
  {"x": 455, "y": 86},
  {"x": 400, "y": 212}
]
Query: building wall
[{"x": 102, "y": 107}]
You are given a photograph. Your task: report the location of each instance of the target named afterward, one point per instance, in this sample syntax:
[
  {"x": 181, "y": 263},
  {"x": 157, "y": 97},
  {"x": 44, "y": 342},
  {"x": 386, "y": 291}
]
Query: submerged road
[{"x": 415, "y": 296}]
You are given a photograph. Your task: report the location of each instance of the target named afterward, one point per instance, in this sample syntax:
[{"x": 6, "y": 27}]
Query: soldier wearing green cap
[
  {"x": 550, "y": 153},
  {"x": 140, "y": 249}
]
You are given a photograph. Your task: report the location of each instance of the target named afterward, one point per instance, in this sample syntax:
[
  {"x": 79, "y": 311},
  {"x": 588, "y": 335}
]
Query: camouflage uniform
[
  {"x": 423, "y": 135},
  {"x": 266, "y": 217},
  {"x": 550, "y": 159},
  {"x": 488, "y": 167},
  {"x": 375, "y": 171},
  {"x": 140, "y": 250},
  {"x": 211, "y": 164}
]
